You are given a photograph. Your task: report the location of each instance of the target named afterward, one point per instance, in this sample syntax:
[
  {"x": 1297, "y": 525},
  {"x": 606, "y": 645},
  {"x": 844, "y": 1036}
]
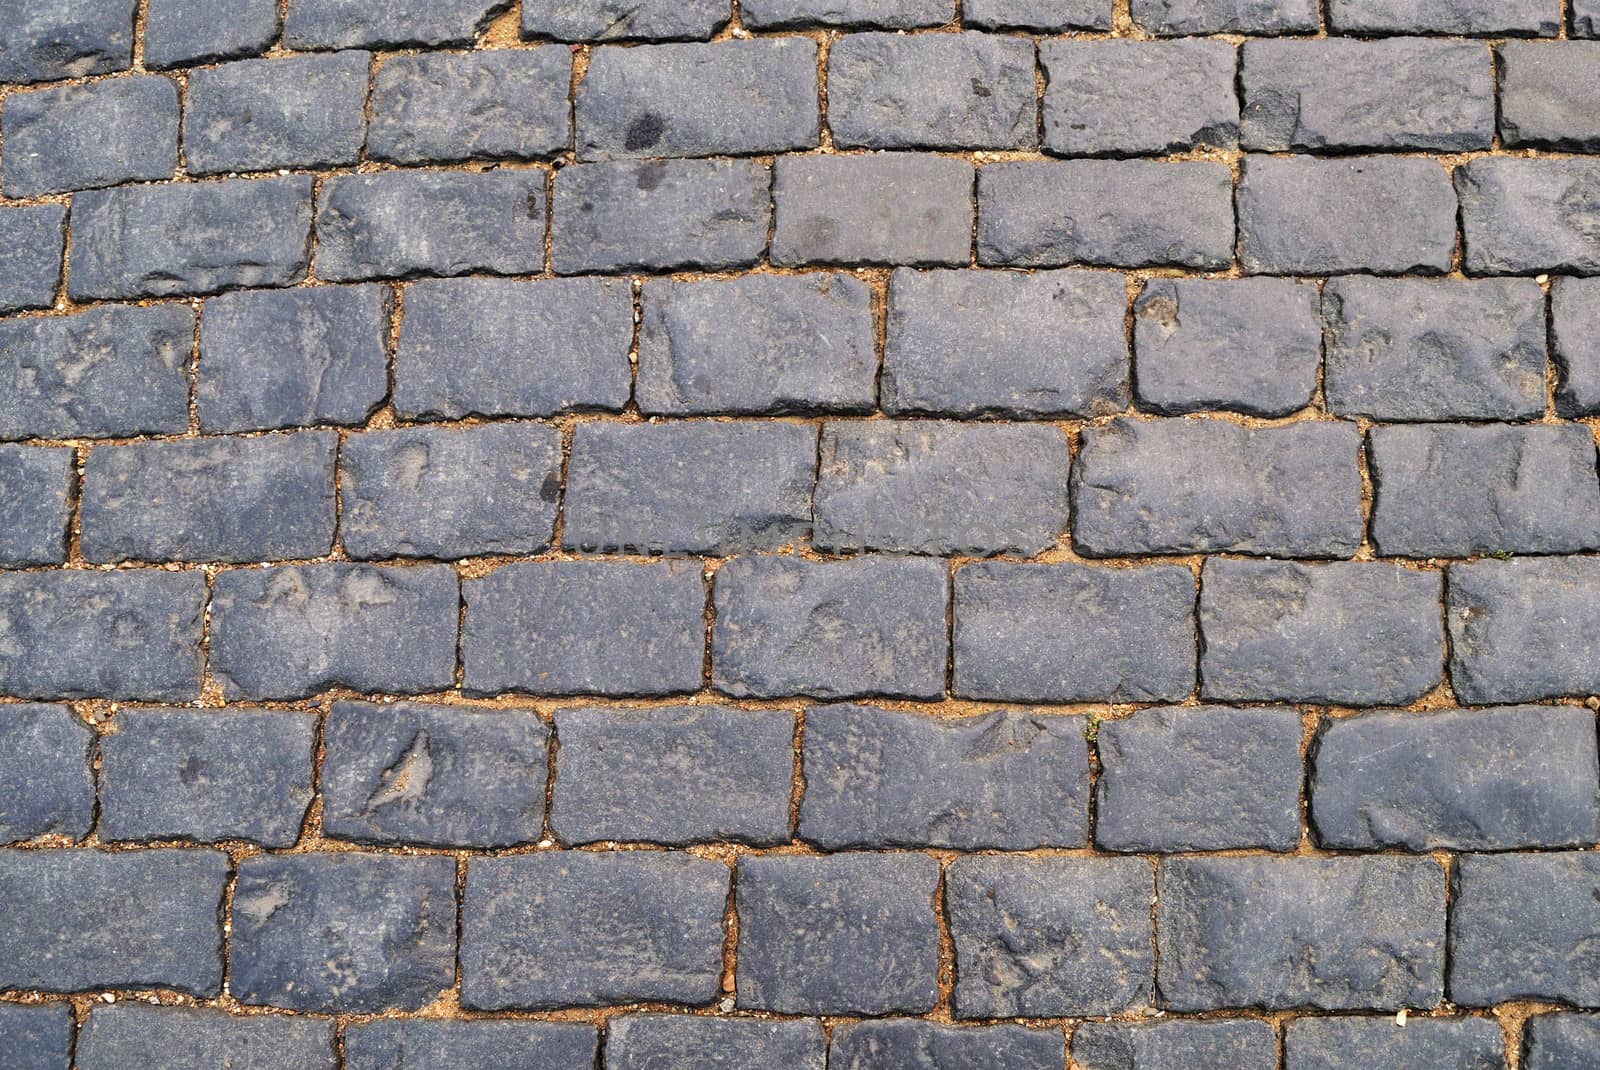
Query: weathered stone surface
[
  {"x": 1585, "y": 18},
  {"x": 43, "y": 40},
  {"x": 1200, "y": 486},
  {"x": 1523, "y": 926},
  {"x": 449, "y": 492},
  {"x": 1328, "y": 933},
  {"x": 1115, "y": 98},
  {"x": 189, "y": 238},
  {"x": 1524, "y": 630},
  {"x": 678, "y": 1042},
  {"x": 838, "y": 934},
  {"x": 1304, "y": 216},
  {"x": 1023, "y": 633},
  {"x": 289, "y": 358},
  {"x": 1520, "y": 216},
  {"x": 723, "y": 99},
  {"x": 343, "y": 933},
  {"x": 879, "y": 208},
  {"x": 940, "y": 487},
  {"x": 1575, "y": 345},
  {"x": 1415, "y": 349},
  {"x": 1044, "y": 16},
  {"x": 1456, "y": 490},
  {"x": 585, "y": 627},
  {"x": 1171, "y": 18},
  {"x": 503, "y": 105},
  {"x": 493, "y": 347},
  {"x": 1179, "y": 1045},
  {"x": 315, "y": 24},
  {"x": 1560, "y": 1041},
  {"x": 35, "y": 498},
  {"x": 404, "y": 224},
  {"x": 46, "y": 787},
  {"x": 1434, "y": 1044},
  {"x": 32, "y": 239},
  {"x": 1544, "y": 93},
  {"x": 191, "y": 1038},
  {"x": 294, "y": 111},
  {"x": 689, "y": 487},
  {"x": 616, "y": 20},
  {"x": 970, "y": 343},
  {"x": 579, "y": 929},
  {"x": 211, "y": 499},
  {"x": 438, "y": 1044},
  {"x": 127, "y": 635},
  {"x": 289, "y": 632},
  {"x": 883, "y": 778},
  {"x": 1470, "y": 780},
  {"x": 79, "y": 919},
  {"x": 206, "y": 775},
  {"x": 762, "y": 344},
  {"x": 678, "y": 775},
  {"x": 853, "y": 14},
  {"x": 843, "y": 629},
  {"x": 178, "y": 33},
  {"x": 908, "y": 1044},
  {"x": 1047, "y": 937},
  {"x": 1350, "y": 633},
  {"x": 87, "y": 136},
  {"x": 37, "y": 1037},
  {"x": 1120, "y": 213},
  {"x": 1490, "y": 18},
  {"x": 440, "y": 776}
]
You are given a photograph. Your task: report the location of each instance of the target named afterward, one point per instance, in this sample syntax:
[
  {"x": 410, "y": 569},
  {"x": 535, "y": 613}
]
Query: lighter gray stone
[
  {"x": 1117, "y": 98},
  {"x": 450, "y": 1044},
  {"x": 1575, "y": 345},
  {"x": 190, "y": 1038},
  {"x": 32, "y": 241},
  {"x": 616, "y": 20},
  {"x": 877, "y": 208},
  {"x": 693, "y": 1042},
  {"x": 1485, "y": 18},
  {"x": 1522, "y": 216},
  {"x": 1044, "y": 16},
  {"x": 36, "y": 485},
  {"x": 1545, "y": 90},
  {"x": 1424, "y": 1044},
  {"x": 387, "y": 24},
  {"x": 1561, "y": 1042},
  {"x": 1172, "y": 18},
  {"x": 1524, "y": 927},
  {"x": 1177, "y": 1045},
  {"x": 46, "y": 40},
  {"x": 46, "y": 785},
  {"x": 849, "y": 14},
  {"x": 508, "y": 104},
  {"x": 87, "y": 136},
  {"x": 1524, "y": 630},
  {"x": 293, "y": 111}
]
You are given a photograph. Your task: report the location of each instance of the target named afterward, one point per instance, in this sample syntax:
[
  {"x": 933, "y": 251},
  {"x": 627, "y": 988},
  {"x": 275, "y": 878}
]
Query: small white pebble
[{"x": 1400, "y": 1019}]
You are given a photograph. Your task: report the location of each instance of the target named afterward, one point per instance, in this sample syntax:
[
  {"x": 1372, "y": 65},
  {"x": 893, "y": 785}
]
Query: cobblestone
[
  {"x": 1486, "y": 18},
  {"x": 181, "y": 1037},
  {"x": 1246, "y": 1045},
  {"x": 1115, "y": 98},
  {"x": 37, "y": 1037},
  {"x": 85, "y": 137},
  {"x": 1519, "y": 630},
  {"x": 616, "y": 20},
  {"x": 318, "y": 24},
  {"x": 36, "y": 486},
  {"x": 666, "y": 1042},
  {"x": 881, "y": 208},
  {"x": 259, "y": 114},
  {"x": 45, "y": 778},
  {"x": 509, "y": 105},
  {"x": 1326, "y": 1043},
  {"x": 914, "y": 1045},
  {"x": 1542, "y": 90},
  {"x": 487, "y": 1045},
  {"x": 178, "y": 33},
  {"x": 1574, "y": 328},
  {"x": 1557, "y": 1040},
  {"x": 43, "y": 40},
  {"x": 32, "y": 241},
  {"x": 1169, "y": 18},
  {"x": 1520, "y": 927},
  {"x": 1521, "y": 216}
]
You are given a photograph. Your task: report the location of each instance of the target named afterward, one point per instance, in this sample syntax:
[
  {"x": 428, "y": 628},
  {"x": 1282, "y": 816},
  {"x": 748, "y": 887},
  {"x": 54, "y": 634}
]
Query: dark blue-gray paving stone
[
  {"x": 190, "y": 1038},
  {"x": 46, "y": 787},
  {"x": 1044, "y": 16},
  {"x": 1180, "y": 1045},
  {"x": 388, "y": 24},
  {"x": 1361, "y": 933},
  {"x": 1559, "y": 1042},
  {"x": 845, "y": 14},
  {"x": 1469, "y": 780},
  {"x": 1005, "y": 780},
  {"x": 291, "y": 631},
  {"x": 674, "y": 775},
  {"x": 126, "y": 635},
  {"x": 584, "y": 929},
  {"x": 1205, "y": 778},
  {"x": 405, "y": 224},
  {"x": 878, "y": 208},
  {"x": 32, "y": 240},
  {"x": 494, "y": 347},
  {"x": 210, "y": 499},
  {"x": 841, "y": 629},
  {"x": 617, "y": 20},
  {"x": 84, "y": 136},
  {"x": 80, "y": 919},
  {"x": 189, "y": 238},
  {"x": 432, "y": 1044},
  {"x": 909, "y": 1044},
  {"x": 1544, "y": 88},
  {"x": 838, "y": 934},
  {"x": 206, "y": 775},
  {"x": 1115, "y": 98},
  {"x": 760, "y": 344},
  {"x": 1585, "y": 18},
  {"x": 36, "y": 1037},
  {"x": 1524, "y": 630},
  {"x": 1491, "y": 18},
  {"x": 680, "y": 1042},
  {"x": 1523, "y": 927},
  {"x": 1353, "y": 633},
  {"x": 442, "y": 776},
  {"x": 1047, "y": 937},
  {"x": 1422, "y": 1044},
  {"x": 1072, "y": 633},
  {"x": 289, "y": 358},
  {"x": 1575, "y": 345},
  {"x": 585, "y": 627},
  {"x": 449, "y": 492},
  {"x": 1521, "y": 216},
  {"x": 293, "y": 111},
  {"x": 504, "y": 105},
  {"x": 695, "y": 487},
  {"x": 45, "y": 40},
  {"x": 178, "y": 33},
  {"x": 1173, "y": 18},
  {"x": 36, "y": 485}
]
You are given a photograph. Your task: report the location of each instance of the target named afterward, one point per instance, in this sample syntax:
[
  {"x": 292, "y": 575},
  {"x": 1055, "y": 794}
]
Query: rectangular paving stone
[
  {"x": 684, "y": 1042},
  {"x": 1414, "y": 349},
  {"x": 1176, "y": 1045},
  {"x": 192, "y": 1038},
  {"x": 36, "y": 487},
  {"x": 730, "y": 98},
  {"x": 32, "y": 241},
  {"x": 1479, "y": 18},
  {"x": 1326, "y": 933},
  {"x": 46, "y": 786},
  {"x": 37, "y": 1037},
  {"x": 837, "y": 934},
  {"x": 45, "y": 40},
  {"x": 87, "y": 136},
  {"x": 1352, "y": 633},
  {"x": 616, "y": 20},
  {"x": 189, "y": 238},
  {"x": 1522, "y": 630},
  {"x": 206, "y": 775},
  {"x": 838, "y": 629},
  {"x": 1005, "y": 780},
  {"x": 1471, "y": 780},
  {"x": 1023, "y": 633},
  {"x": 1175, "y": 18},
  {"x": 178, "y": 33},
  {"x": 494, "y": 347},
  {"x": 1575, "y": 345},
  {"x": 845, "y": 14},
  {"x": 441, "y": 776},
  {"x": 978, "y": 343},
  {"x": 1543, "y": 92},
  {"x": 406, "y": 224},
  {"x": 878, "y": 208},
  {"x": 440, "y": 107},
  {"x": 910, "y": 1044},
  {"x": 1047, "y": 937},
  {"x": 293, "y": 111},
  {"x": 1442, "y": 1043},
  {"x": 757, "y": 345},
  {"x": 1116, "y": 213},
  {"x": 1553, "y": 1041},
  {"x": 210, "y": 499},
  {"x": 1201, "y": 486},
  {"x": 81, "y": 919},
  {"x": 1044, "y": 16},
  {"x": 343, "y": 933},
  {"x": 439, "y": 1044},
  {"x": 1521, "y": 928},
  {"x": 1124, "y": 98},
  {"x": 387, "y": 24},
  {"x": 685, "y": 487},
  {"x": 449, "y": 492},
  {"x": 585, "y": 627},
  {"x": 1585, "y": 18},
  {"x": 674, "y": 775},
  {"x": 131, "y": 635},
  {"x": 1459, "y": 490},
  {"x": 291, "y": 631},
  {"x": 580, "y": 929},
  {"x": 1521, "y": 216}
]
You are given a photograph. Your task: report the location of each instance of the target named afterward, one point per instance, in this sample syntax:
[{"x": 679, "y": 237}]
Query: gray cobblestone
[
  {"x": 1522, "y": 630},
  {"x": 505, "y": 105},
  {"x": 1044, "y": 16},
  {"x": 1169, "y": 18},
  {"x": 1522, "y": 926},
  {"x": 1444, "y": 1044},
  {"x": 1575, "y": 345},
  {"x": 1243, "y": 1045},
  {"x": 178, "y": 33},
  {"x": 1554, "y": 1041},
  {"x": 37, "y": 1037},
  {"x": 391, "y": 24},
  {"x": 32, "y": 241},
  {"x": 1520, "y": 216},
  {"x": 36, "y": 487},
  {"x": 46, "y": 787},
  {"x": 1488, "y": 18},
  {"x": 189, "y": 1038},
  {"x": 1543, "y": 90},
  {"x": 432, "y": 1044},
  {"x": 666, "y": 1042},
  {"x": 1115, "y": 98},
  {"x": 880, "y": 208},
  {"x": 852, "y": 14},
  {"x": 87, "y": 136},
  {"x": 906, "y": 1044},
  {"x": 1585, "y": 16},
  {"x": 258, "y": 114},
  {"x": 616, "y": 20},
  {"x": 43, "y": 40}
]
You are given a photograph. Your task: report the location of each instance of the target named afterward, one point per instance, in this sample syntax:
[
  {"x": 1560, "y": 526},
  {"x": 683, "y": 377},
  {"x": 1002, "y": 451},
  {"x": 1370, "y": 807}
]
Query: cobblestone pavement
[{"x": 644, "y": 534}]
